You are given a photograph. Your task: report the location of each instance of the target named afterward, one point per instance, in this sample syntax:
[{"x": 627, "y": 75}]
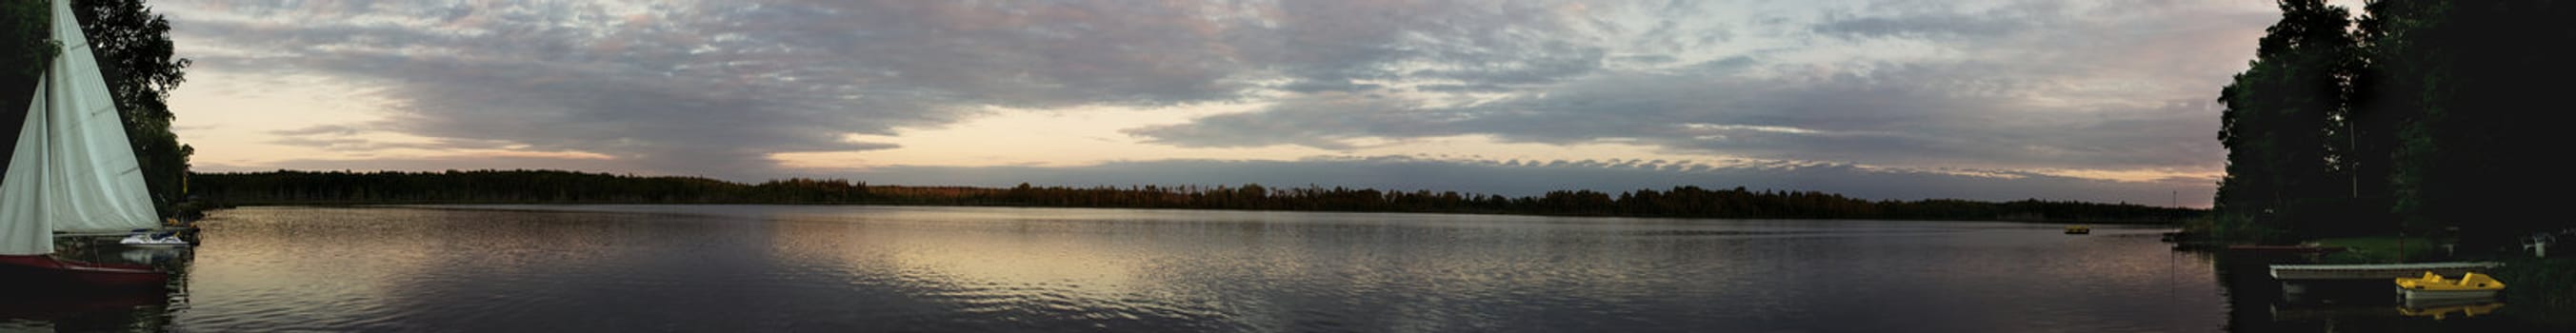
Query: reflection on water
[
  {"x": 136, "y": 311},
  {"x": 2266, "y": 305},
  {"x": 838, "y": 268},
  {"x": 2447, "y": 311}
]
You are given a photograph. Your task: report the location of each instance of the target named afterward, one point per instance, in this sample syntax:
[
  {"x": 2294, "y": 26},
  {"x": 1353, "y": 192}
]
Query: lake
[{"x": 944, "y": 269}]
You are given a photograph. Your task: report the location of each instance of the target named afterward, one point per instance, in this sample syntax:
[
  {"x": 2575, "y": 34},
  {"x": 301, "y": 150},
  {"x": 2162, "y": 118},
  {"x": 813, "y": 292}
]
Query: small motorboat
[
  {"x": 2078, "y": 230},
  {"x": 146, "y": 240},
  {"x": 152, "y": 255},
  {"x": 2434, "y": 287}
]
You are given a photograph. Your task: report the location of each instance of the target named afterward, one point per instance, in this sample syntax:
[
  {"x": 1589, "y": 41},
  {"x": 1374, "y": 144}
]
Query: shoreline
[{"x": 1019, "y": 205}]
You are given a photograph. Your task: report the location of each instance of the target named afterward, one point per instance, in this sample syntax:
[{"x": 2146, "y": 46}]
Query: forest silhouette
[
  {"x": 2413, "y": 117},
  {"x": 566, "y": 187}
]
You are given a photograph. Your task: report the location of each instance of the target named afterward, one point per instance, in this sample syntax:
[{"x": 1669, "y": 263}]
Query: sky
[{"x": 2107, "y": 101}]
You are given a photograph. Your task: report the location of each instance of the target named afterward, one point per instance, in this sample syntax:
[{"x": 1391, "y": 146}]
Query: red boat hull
[{"x": 42, "y": 273}]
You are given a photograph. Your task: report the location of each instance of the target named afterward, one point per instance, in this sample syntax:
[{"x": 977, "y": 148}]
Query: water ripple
[{"x": 824, "y": 268}]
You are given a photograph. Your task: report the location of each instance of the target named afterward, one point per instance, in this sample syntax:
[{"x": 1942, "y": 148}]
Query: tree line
[
  {"x": 546, "y": 186},
  {"x": 2415, "y": 116}
]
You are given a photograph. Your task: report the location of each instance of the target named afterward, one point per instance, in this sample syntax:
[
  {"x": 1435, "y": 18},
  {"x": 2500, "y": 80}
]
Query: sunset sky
[{"x": 1993, "y": 100}]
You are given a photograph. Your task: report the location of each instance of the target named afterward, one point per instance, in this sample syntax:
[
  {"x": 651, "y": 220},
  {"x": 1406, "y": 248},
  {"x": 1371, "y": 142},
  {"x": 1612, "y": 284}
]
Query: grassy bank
[
  {"x": 2214, "y": 230},
  {"x": 2383, "y": 250},
  {"x": 2535, "y": 281},
  {"x": 2541, "y": 290}
]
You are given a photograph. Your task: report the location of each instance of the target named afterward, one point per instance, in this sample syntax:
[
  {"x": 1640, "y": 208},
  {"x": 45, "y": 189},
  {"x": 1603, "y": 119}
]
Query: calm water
[{"x": 843, "y": 268}]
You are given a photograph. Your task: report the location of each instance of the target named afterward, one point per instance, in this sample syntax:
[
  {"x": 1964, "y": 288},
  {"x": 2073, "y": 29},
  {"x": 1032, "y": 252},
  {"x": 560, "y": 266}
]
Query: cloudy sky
[{"x": 2081, "y": 100}]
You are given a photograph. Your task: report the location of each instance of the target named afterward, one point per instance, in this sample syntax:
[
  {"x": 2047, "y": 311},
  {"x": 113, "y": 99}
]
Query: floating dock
[{"x": 2376, "y": 271}]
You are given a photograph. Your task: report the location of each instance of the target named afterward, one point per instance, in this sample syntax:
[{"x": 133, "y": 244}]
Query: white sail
[
  {"x": 23, "y": 230},
  {"x": 71, "y": 169}
]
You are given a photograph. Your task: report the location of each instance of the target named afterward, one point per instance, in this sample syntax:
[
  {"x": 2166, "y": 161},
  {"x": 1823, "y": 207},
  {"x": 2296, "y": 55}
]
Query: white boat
[
  {"x": 147, "y": 240},
  {"x": 69, "y": 170},
  {"x": 152, "y": 255}
]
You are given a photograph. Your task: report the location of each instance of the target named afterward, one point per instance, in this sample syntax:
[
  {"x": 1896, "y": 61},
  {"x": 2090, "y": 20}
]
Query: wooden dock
[{"x": 2376, "y": 271}]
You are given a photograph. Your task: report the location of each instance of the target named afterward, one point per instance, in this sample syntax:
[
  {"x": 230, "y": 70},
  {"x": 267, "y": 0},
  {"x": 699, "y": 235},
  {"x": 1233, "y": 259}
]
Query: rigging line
[{"x": 45, "y": 159}]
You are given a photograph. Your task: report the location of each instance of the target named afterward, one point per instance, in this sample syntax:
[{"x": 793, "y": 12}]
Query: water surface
[{"x": 858, "y": 268}]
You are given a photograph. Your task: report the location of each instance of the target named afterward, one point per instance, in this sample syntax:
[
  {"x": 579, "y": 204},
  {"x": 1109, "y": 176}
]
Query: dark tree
[
  {"x": 2477, "y": 89},
  {"x": 2280, "y": 114},
  {"x": 23, "y": 48},
  {"x": 2445, "y": 115},
  {"x": 23, "y": 54}
]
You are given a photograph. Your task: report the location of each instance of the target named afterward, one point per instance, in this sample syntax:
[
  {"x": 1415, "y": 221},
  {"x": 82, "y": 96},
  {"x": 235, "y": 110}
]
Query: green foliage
[
  {"x": 23, "y": 48},
  {"x": 2281, "y": 112},
  {"x": 24, "y": 51},
  {"x": 2383, "y": 249},
  {"x": 133, "y": 47},
  {"x": 2543, "y": 282},
  {"x": 2235, "y": 229},
  {"x": 2476, "y": 84},
  {"x": 2437, "y": 114},
  {"x": 524, "y": 186},
  {"x": 2408, "y": 71}
]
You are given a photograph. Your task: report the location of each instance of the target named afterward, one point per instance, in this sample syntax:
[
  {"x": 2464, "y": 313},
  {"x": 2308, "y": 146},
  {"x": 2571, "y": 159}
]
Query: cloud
[
  {"x": 436, "y": 163},
  {"x": 1896, "y": 115},
  {"x": 1938, "y": 21},
  {"x": 1322, "y": 120},
  {"x": 718, "y": 85},
  {"x": 1335, "y": 41},
  {"x": 2020, "y": 85}
]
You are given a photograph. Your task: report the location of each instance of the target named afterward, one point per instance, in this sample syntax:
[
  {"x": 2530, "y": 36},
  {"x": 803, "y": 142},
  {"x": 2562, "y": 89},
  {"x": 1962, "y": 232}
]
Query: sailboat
[{"x": 70, "y": 171}]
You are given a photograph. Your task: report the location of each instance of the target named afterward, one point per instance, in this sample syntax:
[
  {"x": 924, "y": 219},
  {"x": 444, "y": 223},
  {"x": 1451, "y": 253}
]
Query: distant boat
[
  {"x": 2078, "y": 230},
  {"x": 70, "y": 171},
  {"x": 2434, "y": 287}
]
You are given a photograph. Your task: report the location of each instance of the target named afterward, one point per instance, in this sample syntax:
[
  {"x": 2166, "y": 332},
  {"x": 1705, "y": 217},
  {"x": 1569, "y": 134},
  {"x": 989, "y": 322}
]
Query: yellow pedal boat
[{"x": 2433, "y": 286}]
